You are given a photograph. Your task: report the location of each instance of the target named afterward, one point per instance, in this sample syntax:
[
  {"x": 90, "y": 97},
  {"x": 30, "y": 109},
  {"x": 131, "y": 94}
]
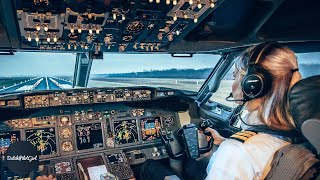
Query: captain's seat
[
  {"x": 304, "y": 100},
  {"x": 301, "y": 161}
]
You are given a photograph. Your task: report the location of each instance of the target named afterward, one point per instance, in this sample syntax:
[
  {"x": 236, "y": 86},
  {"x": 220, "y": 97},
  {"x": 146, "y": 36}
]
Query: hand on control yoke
[{"x": 217, "y": 138}]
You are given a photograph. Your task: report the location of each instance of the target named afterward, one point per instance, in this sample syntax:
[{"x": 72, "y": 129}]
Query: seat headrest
[
  {"x": 310, "y": 129},
  {"x": 304, "y": 100}
]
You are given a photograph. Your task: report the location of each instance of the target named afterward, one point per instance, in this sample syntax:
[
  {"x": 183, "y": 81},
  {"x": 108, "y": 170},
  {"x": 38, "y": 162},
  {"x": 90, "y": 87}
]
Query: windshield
[
  {"x": 155, "y": 70},
  {"x": 31, "y": 71}
]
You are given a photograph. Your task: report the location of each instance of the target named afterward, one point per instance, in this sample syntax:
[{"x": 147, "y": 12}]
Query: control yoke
[{"x": 189, "y": 135}]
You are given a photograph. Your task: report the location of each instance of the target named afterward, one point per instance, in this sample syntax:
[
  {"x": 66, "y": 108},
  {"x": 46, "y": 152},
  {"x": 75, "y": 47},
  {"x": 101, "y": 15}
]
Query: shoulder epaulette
[{"x": 242, "y": 136}]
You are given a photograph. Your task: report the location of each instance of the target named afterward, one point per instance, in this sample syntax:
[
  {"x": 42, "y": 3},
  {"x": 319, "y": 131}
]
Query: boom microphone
[{"x": 233, "y": 100}]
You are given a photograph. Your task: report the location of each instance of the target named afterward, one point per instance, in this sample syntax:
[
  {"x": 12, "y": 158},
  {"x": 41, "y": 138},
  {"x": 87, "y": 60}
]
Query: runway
[{"x": 39, "y": 83}]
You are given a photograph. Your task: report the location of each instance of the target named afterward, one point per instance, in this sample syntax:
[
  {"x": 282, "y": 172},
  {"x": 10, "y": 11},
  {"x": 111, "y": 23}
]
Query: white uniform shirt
[{"x": 245, "y": 161}]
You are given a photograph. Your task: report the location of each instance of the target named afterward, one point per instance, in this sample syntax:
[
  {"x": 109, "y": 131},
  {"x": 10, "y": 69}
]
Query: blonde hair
[{"x": 274, "y": 109}]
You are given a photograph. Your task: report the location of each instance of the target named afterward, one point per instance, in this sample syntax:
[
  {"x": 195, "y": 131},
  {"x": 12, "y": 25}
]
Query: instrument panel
[
  {"x": 124, "y": 135},
  {"x": 69, "y": 125},
  {"x": 87, "y": 130}
]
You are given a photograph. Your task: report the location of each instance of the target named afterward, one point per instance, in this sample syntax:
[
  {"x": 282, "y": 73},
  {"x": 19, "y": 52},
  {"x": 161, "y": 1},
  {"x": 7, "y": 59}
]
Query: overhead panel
[{"x": 108, "y": 26}]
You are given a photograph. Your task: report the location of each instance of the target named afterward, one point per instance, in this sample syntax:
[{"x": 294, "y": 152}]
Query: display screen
[
  {"x": 7, "y": 138},
  {"x": 63, "y": 167},
  {"x": 89, "y": 136},
  {"x": 126, "y": 131},
  {"x": 150, "y": 128},
  {"x": 116, "y": 158},
  {"x": 44, "y": 139}
]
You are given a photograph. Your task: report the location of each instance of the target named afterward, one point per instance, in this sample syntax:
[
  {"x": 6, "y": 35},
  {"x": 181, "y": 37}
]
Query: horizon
[{"x": 62, "y": 64}]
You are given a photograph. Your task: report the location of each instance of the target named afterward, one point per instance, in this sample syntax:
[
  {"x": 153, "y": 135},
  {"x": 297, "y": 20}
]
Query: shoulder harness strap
[{"x": 242, "y": 136}]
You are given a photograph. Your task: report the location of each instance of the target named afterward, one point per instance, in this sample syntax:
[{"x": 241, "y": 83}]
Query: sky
[
  {"x": 58, "y": 64},
  {"x": 49, "y": 64}
]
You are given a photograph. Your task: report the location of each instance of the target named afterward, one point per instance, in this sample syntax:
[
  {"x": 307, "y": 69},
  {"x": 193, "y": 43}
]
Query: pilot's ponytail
[{"x": 283, "y": 66}]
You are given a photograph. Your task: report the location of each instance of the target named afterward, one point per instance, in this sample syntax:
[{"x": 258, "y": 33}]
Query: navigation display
[
  {"x": 7, "y": 138},
  {"x": 126, "y": 131},
  {"x": 44, "y": 139},
  {"x": 89, "y": 136},
  {"x": 150, "y": 128}
]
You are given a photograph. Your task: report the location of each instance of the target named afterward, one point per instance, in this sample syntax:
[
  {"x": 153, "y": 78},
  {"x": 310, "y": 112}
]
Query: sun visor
[{"x": 304, "y": 99}]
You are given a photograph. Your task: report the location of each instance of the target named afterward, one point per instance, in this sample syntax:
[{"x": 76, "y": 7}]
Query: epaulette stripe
[
  {"x": 249, "y": 132},
  {"x": 244, "y": 134},
  {"x": 239, "y": 137}
]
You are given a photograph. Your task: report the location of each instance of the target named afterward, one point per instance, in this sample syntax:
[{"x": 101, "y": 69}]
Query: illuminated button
[
  {"x": 45, "y": 28},
  {"x": 38, "y": 27},
  {"x": 29, "y": 38},
  {"x": 174, "y": 2},
  {"x": 212, "y": 4},
  {"x": 199, "y": 5}
]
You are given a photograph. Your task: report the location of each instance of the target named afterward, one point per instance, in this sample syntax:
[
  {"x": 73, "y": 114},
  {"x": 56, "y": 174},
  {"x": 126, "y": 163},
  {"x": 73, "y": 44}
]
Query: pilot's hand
[
  {"x": 217, "y": 138},
  {"x": 50, "y": 177}
]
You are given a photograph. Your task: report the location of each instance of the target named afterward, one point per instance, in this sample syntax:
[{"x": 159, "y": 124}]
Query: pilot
[{"x": 248, "y": 154}]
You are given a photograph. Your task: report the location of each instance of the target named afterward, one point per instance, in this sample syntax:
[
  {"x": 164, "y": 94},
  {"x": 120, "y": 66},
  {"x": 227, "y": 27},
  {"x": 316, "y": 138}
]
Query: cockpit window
[
  {"x": 31, "y": 71},
  {"x": 154, "y": 70},
  {"x": 309, "y": 64}
]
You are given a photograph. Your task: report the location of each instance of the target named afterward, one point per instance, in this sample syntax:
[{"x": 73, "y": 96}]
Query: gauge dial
[
  {"x": 168, "y": 121},
  {"x": 66, "y": 133},
  {"x": 135, "y": 27},
  {"x": 66, "y": 146}
]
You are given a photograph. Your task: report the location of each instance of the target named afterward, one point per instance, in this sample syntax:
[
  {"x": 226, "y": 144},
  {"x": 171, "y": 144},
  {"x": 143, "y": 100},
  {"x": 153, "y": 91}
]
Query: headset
[{"x": 257, "y": 81}]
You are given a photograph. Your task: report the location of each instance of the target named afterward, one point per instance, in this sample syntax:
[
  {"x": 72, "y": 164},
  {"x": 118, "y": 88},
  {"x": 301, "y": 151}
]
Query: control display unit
[
  {"x": 44, "y": 139},
  {"x": 7, "y": 138},
  {"x": 116, "y": 158},
  {"x": 125, "y": 131},
  {"x": 89, "y": 136},
  {"x": 63, "y": 167},
  {"x": 150, "y": 128}
]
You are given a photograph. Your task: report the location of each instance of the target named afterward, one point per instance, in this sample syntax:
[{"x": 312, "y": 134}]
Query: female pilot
[{"x": 249, "y": 159}]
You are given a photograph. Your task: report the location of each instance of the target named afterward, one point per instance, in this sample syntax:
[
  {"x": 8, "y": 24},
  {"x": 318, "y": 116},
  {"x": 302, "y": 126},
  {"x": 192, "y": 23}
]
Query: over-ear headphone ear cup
[{"x": 256, "y": 83}]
